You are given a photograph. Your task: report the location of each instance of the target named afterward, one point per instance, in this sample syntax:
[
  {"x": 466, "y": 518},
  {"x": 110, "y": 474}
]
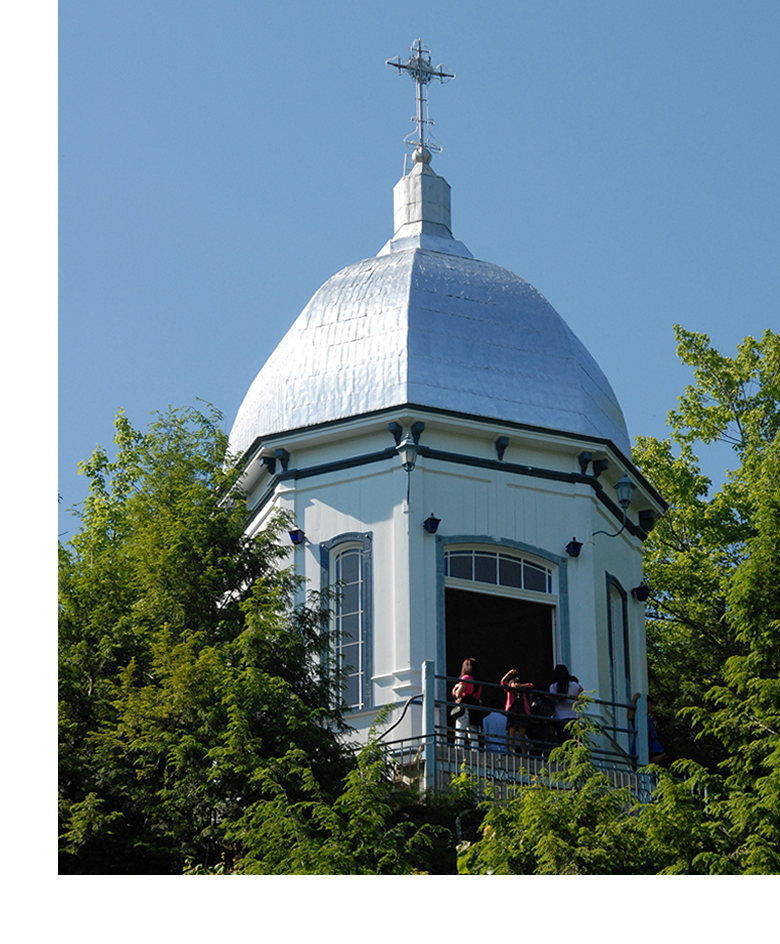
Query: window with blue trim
[
  {"x": 619, "y": 645},
  {"x": 350, "y": 623},
  {"x": 346, "y": 563}
]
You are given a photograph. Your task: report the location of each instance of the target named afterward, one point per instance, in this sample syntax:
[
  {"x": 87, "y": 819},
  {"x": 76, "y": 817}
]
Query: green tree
[
  {"x": 370, "y": 828},
  {"x": 714, "y": 611},
  {"x": 743, "y": 710},
  {"x": 714, "y": 659},
  {"x": 185, "y": 669},
  {"x": 569, "y": 820},
  {"x": 697, "y": 550},
  {"x": 573, "y": 820}
]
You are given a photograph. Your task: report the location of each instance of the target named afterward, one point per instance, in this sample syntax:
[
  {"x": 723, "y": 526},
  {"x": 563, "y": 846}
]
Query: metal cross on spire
[{"x": 419, "y": 67}]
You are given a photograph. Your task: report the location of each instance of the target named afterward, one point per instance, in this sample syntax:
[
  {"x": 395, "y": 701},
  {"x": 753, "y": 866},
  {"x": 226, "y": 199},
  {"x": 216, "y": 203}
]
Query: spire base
[
  {"x": 452, "y": 247},
  {"x": 421, "y": 214}
]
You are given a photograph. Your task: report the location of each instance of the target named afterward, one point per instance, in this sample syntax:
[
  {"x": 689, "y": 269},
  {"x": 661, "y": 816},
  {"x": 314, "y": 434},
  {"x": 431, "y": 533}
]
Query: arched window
[
  {"x": 619, "y": 646},
  {"x": 500, "y": 569},
  {"x": 350, "y": 623},
  {"x": 346, "y": 564}
]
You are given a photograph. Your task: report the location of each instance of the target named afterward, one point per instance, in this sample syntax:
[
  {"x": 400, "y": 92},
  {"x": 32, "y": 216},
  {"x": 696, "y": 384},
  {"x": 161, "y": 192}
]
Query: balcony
[{"x": 433, "y": 760}]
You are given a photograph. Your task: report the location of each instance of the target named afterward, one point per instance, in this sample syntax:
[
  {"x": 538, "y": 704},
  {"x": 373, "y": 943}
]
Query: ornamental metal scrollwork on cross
[{"x": 419, "y": 67}]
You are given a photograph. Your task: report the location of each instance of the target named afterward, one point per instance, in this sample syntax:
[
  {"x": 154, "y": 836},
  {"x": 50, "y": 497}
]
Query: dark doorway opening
[{"x": 501, "y": 633}]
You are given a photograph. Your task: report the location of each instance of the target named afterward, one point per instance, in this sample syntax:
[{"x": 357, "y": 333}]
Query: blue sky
[{"x": 219, "y": 161}]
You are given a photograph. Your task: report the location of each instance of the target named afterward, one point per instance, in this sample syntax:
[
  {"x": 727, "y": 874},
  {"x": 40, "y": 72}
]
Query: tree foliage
[
  {"x": 573, "y": 820},
  {"x": 569, "y": 820},
  {"x": 714, "y": 659},
  {"x": 706, "y": 540},
  {"x": 369, "y": 829},
  {"x": 185, "y": 669},
  {"x": 714, "y": 611},
  {"x": 198, "y": 723}
]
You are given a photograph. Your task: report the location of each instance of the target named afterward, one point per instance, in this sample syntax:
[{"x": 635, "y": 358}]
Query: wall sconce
[
  {"x": 640, "y": 593},
  {"x": 297, "y": 537},
  {"x": 625, "y": 491},
  {"x": 407, "y": 450},
  {"x": 574, "y": 547},
  {"x": 431, "y": 524}
]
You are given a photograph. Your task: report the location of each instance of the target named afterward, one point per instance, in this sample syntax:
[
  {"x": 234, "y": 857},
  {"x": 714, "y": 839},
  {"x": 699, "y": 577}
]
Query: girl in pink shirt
[{"x": 517, "y": 707}]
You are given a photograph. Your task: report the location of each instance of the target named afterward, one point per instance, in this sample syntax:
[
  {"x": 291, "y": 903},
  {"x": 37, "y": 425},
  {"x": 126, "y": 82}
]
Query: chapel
[{"x": 457, "y": 464}]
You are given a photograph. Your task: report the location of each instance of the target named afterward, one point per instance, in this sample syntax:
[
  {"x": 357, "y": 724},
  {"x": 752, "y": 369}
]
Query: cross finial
[{"x": 419, "y": 67}]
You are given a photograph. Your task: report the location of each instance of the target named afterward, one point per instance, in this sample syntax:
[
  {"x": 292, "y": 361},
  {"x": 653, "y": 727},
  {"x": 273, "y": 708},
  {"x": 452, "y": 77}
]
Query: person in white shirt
[
  {"x": 568, "y": 690},
  {"x": 494, "y": 730}
]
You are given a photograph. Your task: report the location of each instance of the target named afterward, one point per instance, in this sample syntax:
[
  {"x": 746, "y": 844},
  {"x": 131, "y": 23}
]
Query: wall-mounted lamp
[
  {"x": 640, "y": 593},
  {"x": 431, "y": 524},
  {"x": 297, "y": 537},
  {"x": 407, "y": 450},
  {"x": 574, "y": 547},
  {"x": 624, "y": 490}
]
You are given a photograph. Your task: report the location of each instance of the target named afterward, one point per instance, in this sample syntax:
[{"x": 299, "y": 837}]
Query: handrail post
[
  {"x": 642, "y": 750},
  {"x": 429, "y": 724}
]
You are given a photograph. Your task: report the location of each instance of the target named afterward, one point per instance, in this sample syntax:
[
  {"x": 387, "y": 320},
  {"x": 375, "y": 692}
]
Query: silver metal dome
[{"x": 423, "y": 323}]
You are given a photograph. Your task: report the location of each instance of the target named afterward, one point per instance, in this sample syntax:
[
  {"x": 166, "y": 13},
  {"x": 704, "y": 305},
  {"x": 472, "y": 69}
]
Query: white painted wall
[{"x": 489, "y": 504}]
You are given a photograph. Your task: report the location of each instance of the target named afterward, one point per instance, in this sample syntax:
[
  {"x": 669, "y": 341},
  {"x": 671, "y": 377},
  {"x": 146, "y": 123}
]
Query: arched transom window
[{"x": 498, "y": 568}]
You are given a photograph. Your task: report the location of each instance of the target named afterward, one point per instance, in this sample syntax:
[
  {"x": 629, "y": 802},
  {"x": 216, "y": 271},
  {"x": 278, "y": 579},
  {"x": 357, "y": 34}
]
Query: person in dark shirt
[
  {"x": 517, "y": 708},
  {"x": 468, "y": 695},
  {"x": 657, "y": 754}
]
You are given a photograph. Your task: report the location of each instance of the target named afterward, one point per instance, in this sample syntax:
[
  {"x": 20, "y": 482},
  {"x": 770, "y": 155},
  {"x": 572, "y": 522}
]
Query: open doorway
[{"x": 501, "y": 633}]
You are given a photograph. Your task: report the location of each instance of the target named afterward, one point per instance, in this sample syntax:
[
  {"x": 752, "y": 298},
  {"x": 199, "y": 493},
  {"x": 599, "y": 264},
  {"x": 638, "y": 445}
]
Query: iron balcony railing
[
  {"x": 434, "y": 763},
  {"x": 434, "y": 759}
]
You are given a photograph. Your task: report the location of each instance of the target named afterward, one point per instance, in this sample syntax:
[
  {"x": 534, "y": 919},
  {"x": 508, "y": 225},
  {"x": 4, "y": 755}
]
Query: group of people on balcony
[{"x": 527, "y": 714}]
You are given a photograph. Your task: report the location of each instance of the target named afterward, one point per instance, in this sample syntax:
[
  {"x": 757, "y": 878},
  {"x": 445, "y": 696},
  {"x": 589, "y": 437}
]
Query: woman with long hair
[
  {"x": 567, "y": 690},
  {"x": 517, "y": 707},
  {"x": 467, "y": 694}
]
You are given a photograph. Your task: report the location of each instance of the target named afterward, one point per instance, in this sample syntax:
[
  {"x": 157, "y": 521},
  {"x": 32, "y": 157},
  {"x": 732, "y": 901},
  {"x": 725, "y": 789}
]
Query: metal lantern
[
  {"x": 625, "y": 491},
  {"x": 407, "y": 450}
]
